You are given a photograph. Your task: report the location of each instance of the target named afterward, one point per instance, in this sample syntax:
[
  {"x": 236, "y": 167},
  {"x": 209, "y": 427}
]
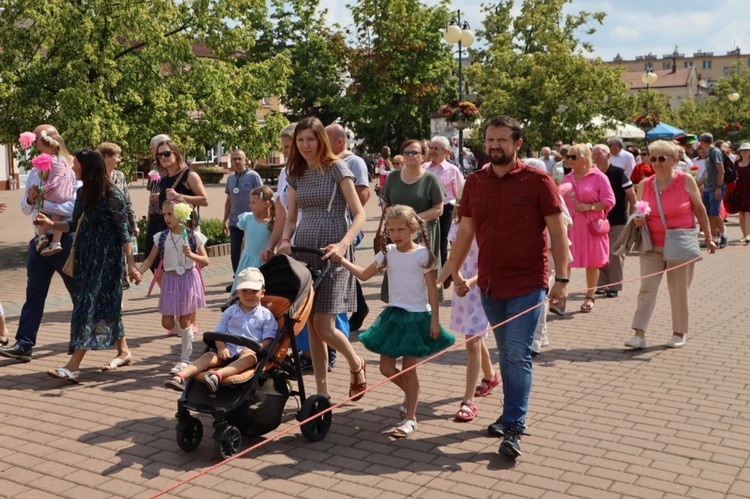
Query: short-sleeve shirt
[
  {"x": 173, "y": 256},
  {"x": 712, "y": 173},
  {"x": 258, "y": 324},
  {"x": 407, "y": 288},
  {"x": 620, "y": 183},
  {"x": 359, "y": 168},
  {"x": 624, "y": 160},
  {"x": 240, "y": 200},
  {"x": 508, "y": 214},
  {"x": 282, "y": 189},
  {"x": 450, "y": 177},
  {"x": 421, "y": 195}
]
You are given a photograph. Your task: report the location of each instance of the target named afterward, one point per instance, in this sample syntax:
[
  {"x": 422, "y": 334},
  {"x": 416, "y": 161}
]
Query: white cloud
[{"x": 625, "y": 33}]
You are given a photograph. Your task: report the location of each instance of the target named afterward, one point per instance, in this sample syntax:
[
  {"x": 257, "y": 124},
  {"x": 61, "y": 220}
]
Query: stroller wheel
[
  {"x": 315, "y": 429},
  {"x": 229, "y": 442},
  {"x": 189, "y": 433}
]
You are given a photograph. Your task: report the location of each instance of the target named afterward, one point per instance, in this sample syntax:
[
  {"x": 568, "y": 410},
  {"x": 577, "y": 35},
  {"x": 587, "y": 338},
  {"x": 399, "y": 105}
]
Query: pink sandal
[
  {"x": 467, "y": 412},
  {"x": 486, "y": 386}
]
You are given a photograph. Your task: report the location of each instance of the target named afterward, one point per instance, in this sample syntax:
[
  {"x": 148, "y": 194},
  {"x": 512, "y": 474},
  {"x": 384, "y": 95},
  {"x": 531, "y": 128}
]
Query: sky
[{"x": 632, "y": 27}]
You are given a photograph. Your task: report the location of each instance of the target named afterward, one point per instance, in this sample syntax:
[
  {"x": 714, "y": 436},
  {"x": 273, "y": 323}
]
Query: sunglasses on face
[
  {"x": 164, "y": 154},
  {"x": 412, "y": 153},
  {"x": 660, "y": 159},
  {"x": 571, "y": 156}
]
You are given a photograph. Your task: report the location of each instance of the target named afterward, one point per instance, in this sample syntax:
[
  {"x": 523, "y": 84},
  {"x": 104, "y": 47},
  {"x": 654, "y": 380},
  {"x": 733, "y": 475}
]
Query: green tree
[
  {"x": 398, "y": 68},
  {"x": 124, "y": 71},
  {"x": 532, "y": 67},
  {"x": 317, "y": 56}
]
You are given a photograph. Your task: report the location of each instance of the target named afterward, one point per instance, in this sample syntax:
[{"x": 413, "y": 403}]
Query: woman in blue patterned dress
[
  {"x": 102, "y": 238},
  {"x": 321, "y": 187}
]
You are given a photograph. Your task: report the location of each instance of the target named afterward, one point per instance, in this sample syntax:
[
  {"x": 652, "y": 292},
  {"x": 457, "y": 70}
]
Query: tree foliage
[
  {"x": 532, "y": 67},
  {"x": 125, "y": 71},
  {"x": 398, "y": 67}
]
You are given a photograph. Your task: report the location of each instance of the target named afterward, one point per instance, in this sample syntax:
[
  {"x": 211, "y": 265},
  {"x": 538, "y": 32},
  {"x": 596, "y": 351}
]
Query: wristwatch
[{"x": 563, "y": 280}]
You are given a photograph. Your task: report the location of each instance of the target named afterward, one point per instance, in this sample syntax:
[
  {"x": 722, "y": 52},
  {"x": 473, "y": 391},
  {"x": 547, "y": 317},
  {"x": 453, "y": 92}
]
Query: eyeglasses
[
  {"x": 164, "y": 154},
  {"x": 238, "y": 159},
  {"x": 571, "y": 156},
  {"x": 412, "y": 153},
  {"x": 660, "y": 159}
]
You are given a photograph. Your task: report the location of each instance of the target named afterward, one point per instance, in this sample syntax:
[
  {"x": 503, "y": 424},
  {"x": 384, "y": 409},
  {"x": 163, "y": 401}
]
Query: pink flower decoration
[
  {"x": 154, "y": 176},
  {"x": 26, "y": 139},
  {"x": 642, "y": 208},
  {"x": 43, "y": 162}
]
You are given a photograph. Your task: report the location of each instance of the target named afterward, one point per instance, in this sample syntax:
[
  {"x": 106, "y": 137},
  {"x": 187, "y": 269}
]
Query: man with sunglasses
[
  {"x": 512, "y": 208},
  {"x": 714, "y": 187}
]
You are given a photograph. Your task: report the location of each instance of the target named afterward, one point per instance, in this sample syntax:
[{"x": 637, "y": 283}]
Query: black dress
[{"x": 156, "y": 222}]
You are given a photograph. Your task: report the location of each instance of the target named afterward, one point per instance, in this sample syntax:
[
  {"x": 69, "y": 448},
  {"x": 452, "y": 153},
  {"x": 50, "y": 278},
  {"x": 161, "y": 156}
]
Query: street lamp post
[
  {"x": 733, "y": 98},
  {"x": 649, "y": 78},
  {"x": 464, "y": 37}
]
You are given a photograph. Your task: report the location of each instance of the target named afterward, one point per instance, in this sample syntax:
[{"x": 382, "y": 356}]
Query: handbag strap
[
  {"x": 380, "y": 224},
  {"x": 78, "y": 226},
  {"x": 658, "y": 201}
]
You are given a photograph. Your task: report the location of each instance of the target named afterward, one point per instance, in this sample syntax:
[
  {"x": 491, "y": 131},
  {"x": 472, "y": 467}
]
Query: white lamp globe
[
  {"x": 734, "y": 96},
  {"x": 649, "y": 78},
  {"x": 452, "y": 34},
  {"x": 467, "y": 38}
]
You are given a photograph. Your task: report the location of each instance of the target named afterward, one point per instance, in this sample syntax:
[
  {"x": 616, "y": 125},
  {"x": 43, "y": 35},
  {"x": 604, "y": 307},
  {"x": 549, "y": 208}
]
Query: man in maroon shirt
[{"x": 507, "y": 207}]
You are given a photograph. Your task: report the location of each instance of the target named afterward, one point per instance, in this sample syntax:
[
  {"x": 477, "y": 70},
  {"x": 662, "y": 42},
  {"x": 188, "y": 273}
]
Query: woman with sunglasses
[
  {"x": 682, "y": 204},
  {"x": 179, "y": 183},
  {"x": 418, "y": 189},
  {"x": 589, "y": 197}
]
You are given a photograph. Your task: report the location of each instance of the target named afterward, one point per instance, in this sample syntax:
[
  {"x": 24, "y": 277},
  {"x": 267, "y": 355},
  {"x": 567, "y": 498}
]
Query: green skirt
[{"x": 398, "y": 333}]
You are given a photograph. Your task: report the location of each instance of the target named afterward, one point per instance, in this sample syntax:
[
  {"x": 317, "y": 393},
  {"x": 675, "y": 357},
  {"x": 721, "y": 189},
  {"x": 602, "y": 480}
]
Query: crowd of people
[{"x": 573, "y": 207}]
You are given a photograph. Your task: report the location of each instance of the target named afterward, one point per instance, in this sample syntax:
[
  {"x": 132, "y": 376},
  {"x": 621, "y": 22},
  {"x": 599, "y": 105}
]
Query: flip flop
[
  {"x": 64, "y": 374},
  {"x": 405, "y": 429},
  {"x": 116, "y": 363}
]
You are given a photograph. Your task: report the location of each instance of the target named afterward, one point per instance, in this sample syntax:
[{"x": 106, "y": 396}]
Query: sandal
[
  {"x": 467, "y": 412},
  {"x": 486, "y": 386},
  {"x": 52, "y": 249},
  {"x": 588, "y": 304},
  {"x": 41, "y": 242},
  {"x": 116, "y": 363},
  {"x": 402, "y": 410},
  {"x": 64, "y": 374},
  {"x": 404, "y": 429},
  {"x": 358, "y": 388}
]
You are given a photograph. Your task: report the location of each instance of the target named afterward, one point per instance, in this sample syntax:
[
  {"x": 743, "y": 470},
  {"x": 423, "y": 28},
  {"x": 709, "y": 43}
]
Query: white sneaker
[
  {"x": 676, "y": 341},
  {"x": 636, "y": 342},
  {"x": 178, "y": 367}
]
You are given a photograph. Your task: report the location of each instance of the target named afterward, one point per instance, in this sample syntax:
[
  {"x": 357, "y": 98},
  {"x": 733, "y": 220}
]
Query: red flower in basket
[
  {"x": 733, "y": 127},
  {"x": 649, "y": 120}
]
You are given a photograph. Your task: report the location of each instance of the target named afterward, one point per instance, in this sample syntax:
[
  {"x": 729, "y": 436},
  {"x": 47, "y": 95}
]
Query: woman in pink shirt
[{"x": 681, "y": 201}]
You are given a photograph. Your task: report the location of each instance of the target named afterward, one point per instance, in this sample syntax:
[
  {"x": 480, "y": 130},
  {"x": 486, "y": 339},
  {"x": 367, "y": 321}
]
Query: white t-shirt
[
  {"x": 406, "y": 284},
  {"x": 173, "y": 255},
  {"x": 624, "y": 160},
  {"x": 282, "y": 190}
]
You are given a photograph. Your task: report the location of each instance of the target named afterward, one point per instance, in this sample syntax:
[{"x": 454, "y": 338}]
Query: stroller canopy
[{"x": 287, "y": 278}]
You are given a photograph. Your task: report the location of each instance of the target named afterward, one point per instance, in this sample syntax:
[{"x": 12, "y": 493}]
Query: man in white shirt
[
  {"x": 619, "y": 156},
  {"x": 452, "y": 181},
  {"x": 548, "y": 159}
]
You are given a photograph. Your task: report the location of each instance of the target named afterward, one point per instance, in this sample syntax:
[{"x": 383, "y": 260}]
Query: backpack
[
  {"x": 730, "y": 172},
  {"x": 163, "y": 240}
]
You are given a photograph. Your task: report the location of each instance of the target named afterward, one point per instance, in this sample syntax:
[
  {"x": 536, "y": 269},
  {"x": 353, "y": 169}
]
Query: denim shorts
[{"x": 713, "y": 206}]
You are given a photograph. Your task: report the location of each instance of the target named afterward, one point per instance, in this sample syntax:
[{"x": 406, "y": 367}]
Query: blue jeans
[
  {"x": 514, "y": 341},
  {"x": 235, "y": 246},
  {"x": 39, "y": 272}
]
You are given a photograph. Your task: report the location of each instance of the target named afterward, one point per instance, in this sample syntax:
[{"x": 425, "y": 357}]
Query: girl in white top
[
  {"x": 181, "y": 286},
  {"x": 408, "y": 327}
]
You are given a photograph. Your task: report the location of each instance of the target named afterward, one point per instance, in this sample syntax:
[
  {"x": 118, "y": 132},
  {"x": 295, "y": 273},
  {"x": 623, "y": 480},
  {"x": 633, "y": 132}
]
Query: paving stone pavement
[{"x": 604, "y": 422}]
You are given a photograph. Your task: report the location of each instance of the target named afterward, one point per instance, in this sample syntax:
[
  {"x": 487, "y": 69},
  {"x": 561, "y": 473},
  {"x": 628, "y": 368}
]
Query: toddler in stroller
[{"x": 246, "y": 318}]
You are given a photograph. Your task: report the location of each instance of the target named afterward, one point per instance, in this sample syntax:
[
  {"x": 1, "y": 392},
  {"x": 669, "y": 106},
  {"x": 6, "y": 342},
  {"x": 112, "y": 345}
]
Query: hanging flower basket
[
  {"x": 733, "y": 128},
  {"x": 646, "y": 121},
  {"x": 460, "y": 114}
]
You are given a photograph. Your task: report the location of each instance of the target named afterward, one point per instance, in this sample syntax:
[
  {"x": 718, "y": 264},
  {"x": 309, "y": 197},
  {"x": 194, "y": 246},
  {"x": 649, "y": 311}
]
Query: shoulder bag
[
  {"x": 598, "y": 226},
  {"x": 70, "y": 264},
  {"x": 377, "y": 242},
  {"x": 680, "y": 245}
]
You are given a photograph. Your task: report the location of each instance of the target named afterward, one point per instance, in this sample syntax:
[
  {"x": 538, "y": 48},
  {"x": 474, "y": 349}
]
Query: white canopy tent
[{"x": 624, "y": 130}]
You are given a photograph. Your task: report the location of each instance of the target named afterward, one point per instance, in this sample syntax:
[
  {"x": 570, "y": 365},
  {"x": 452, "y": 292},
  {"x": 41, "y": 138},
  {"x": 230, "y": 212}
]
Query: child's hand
[
  {"x": 434, "y": 330},
  {"x": 223, "y": 353},
  {"x": 336, "y": 258},
  {"x": 187, "y": 252}
]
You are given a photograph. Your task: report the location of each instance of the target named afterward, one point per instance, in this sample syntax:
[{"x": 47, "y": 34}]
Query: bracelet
[
  {"x": 285, "y": 240},
  {"x": 563, "y": 280}
]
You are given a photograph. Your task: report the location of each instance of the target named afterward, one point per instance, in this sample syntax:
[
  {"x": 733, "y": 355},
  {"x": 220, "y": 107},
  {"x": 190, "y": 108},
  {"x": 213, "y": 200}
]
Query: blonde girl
[
  {"x": 257, "y": 225},
  {"x": 408, "y": 327},
  {"x": 181, "y": 250}
]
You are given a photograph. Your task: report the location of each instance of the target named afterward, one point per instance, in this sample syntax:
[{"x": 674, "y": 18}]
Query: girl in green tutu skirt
[{"x": 408, "y": 327}]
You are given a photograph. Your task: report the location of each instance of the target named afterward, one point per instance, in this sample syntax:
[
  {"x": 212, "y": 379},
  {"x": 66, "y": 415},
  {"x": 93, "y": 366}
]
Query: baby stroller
[{"x": 251, "y": 403}]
